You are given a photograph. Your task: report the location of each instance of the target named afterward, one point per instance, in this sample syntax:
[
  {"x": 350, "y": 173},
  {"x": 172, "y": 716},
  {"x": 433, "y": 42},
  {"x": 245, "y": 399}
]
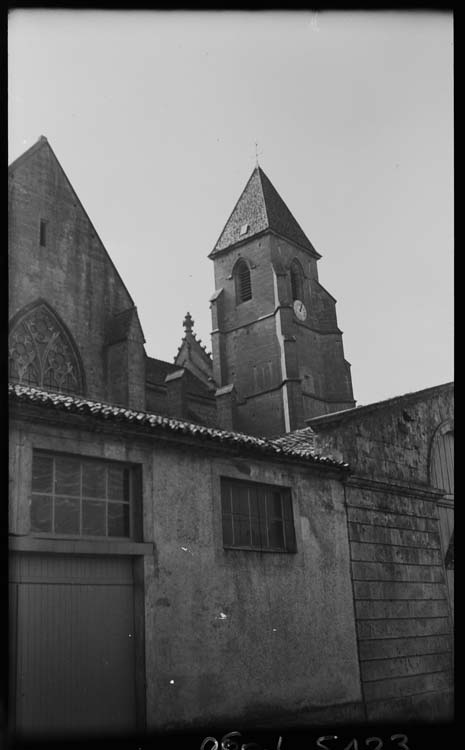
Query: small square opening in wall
[
  {"x": 43, "y": 233},
  {"x": 244, "y": 229}
]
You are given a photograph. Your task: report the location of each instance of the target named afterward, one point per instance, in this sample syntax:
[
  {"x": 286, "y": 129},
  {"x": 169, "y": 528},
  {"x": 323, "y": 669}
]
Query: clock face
[{"x": 300, "y": 309}]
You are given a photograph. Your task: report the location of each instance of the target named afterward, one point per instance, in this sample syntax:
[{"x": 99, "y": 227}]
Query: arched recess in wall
[
  {"x": 441, "y": 476},
  {"x": 42, "y": 352},
  {"x": 297, "y": 280},
  {"x": 441, "y": 463},
  {"x": 242, "y": 281}
]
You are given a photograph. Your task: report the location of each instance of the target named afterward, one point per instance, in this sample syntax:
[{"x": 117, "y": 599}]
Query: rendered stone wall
[{"x": 264, "y": 637}]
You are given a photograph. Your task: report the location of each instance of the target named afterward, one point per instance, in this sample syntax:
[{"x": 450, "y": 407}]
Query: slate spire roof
[{"x": 261, "y": 208}]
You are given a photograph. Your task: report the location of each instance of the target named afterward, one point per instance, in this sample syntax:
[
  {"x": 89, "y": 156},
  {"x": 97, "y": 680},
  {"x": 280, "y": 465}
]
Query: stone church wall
[{"x": 72, "y": 272}]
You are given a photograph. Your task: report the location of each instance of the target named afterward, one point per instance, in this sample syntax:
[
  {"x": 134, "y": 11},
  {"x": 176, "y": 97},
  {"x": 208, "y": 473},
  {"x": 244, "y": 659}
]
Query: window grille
[{"x": 257, "y": 516}]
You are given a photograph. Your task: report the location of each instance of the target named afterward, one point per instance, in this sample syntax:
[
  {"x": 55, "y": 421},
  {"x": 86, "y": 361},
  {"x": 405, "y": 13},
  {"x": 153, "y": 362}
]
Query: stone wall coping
[{"x": 347, "y": 414}]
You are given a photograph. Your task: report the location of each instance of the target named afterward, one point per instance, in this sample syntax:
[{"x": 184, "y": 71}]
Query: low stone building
[
  {"x": 233, "y": 572},
  {"x": 223, "y": 537}
]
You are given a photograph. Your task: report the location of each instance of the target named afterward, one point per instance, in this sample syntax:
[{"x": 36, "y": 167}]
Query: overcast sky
[{"x": 154, "y": 118}]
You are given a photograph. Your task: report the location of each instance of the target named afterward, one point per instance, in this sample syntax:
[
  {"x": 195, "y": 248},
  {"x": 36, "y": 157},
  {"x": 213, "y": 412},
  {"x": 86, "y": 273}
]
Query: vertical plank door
[{"x": 74, "y": 637}]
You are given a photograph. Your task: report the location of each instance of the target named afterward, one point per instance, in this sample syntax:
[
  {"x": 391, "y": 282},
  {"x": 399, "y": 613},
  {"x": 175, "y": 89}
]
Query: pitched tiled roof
[
  {"x": 261, "y": 207},
  {"x": 299, "y": 439},
  {"x": 158, "y": 369},
  {"x": 74, "y": 405}
]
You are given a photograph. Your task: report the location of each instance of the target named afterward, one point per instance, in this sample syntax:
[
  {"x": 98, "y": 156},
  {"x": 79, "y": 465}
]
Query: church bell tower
[{"x": 275, "y": 340}]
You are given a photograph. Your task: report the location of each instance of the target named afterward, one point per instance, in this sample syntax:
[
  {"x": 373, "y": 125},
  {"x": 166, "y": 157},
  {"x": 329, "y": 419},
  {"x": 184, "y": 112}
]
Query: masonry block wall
[
  {"x": 402, "y": 606},
  {"x": 402, "y": 610}
]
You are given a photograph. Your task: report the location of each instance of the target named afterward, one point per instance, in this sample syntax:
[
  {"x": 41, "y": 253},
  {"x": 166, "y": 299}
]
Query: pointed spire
[{"x": 261, "y": 208}]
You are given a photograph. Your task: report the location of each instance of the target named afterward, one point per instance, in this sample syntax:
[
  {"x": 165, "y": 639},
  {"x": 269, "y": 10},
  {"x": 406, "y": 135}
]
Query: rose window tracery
[{"x": 41, "y": 353}]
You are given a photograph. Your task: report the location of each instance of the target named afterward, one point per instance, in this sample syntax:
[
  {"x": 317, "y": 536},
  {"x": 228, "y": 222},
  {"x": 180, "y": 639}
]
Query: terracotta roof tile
[
  {"x": 74, "y": 405},
  {"x": 303, "y": 438}
]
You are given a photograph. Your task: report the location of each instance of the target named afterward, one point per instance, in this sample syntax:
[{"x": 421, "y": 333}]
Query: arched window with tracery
[
  {"x": 243, "y": 282},
  {"x": 297, "y": 281},
  {"x": 41, "y": 352}
]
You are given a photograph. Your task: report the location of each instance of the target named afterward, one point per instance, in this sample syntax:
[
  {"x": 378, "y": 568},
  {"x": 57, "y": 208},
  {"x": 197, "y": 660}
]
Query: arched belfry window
[
  {"x": 243, "y": 282},
  {"x": 297, "y": 281},
  {"x": 41, "y": 351}
]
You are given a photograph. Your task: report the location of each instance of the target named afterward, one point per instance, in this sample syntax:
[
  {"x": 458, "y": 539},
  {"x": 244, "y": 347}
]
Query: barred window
[
  {"x": 243, "y": 282},
  {"x": 257, "y": 516},
  {"x": 80, "y": 497}
]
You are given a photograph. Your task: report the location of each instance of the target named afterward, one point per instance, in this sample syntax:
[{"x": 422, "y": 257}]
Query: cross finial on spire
[
  {"x": 188, "y": 323},
  {"x": 256, "y": 153}
]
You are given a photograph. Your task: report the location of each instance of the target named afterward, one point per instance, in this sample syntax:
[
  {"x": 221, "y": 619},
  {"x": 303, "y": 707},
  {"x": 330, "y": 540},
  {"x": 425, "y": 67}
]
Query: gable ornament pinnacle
[{"x": 188, "y": 323}]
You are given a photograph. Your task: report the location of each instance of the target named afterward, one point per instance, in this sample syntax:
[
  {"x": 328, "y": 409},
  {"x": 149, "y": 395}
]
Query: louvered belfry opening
[
  {"x": 296, "y": 281},
  {"x": 243, "y": 282}
]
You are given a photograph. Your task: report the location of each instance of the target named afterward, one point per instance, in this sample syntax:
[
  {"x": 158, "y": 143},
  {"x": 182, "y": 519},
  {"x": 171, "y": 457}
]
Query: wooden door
[{"x": 73, "y": 649}]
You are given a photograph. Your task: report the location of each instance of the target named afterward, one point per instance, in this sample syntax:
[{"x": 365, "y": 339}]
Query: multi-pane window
[
  {"x": 257, "y": 516},
  {"x": 80, "y": 497}
]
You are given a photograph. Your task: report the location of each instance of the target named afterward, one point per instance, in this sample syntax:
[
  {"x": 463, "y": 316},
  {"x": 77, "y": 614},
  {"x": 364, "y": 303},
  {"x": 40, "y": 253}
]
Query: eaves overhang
[
  {"x": 149, "y": 423},
  {"x": 246, "y": 240}
]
